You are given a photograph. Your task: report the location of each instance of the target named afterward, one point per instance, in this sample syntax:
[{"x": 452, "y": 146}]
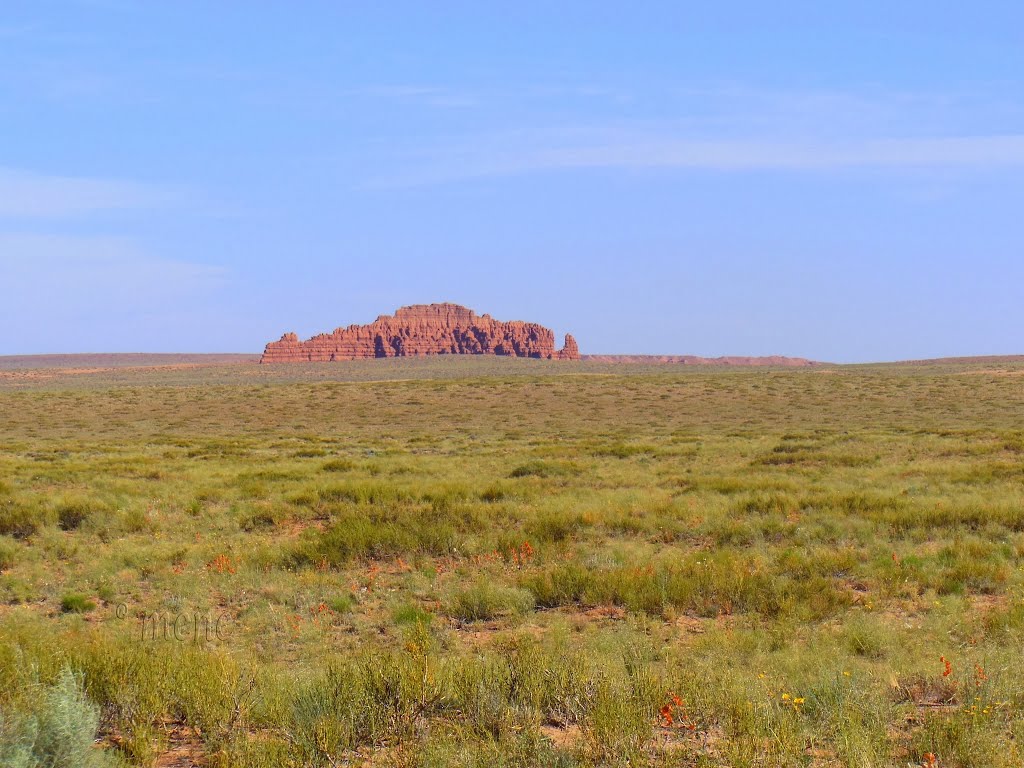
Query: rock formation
[
  {"x": 569, "y": 350},
  {"x": 424, "y": 329}
]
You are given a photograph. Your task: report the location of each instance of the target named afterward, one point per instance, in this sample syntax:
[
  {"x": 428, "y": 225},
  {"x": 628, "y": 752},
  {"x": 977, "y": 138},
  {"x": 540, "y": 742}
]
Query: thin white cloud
[
  {"x": 38, "y": 196},
  {"x": 961, "y": 152},
  {"x": 427, "y": 95},
  {"x": 730, "y": 128},
  {"x": 971, "y": 152}
]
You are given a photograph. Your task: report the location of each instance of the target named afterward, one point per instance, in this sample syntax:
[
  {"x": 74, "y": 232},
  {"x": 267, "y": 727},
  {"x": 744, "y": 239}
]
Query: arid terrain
[{"x": 509, "y": 562}]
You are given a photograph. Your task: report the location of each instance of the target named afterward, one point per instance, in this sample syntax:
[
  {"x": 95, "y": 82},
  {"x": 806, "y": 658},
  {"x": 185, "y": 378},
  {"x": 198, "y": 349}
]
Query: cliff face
[{"x": 424, "y": 329}]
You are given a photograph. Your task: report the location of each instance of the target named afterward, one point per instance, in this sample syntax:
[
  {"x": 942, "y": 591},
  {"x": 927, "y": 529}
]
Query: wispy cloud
[
  {"x": 726, "y": 128},
  {"x": 959, "y": 152},
  {"x": 39, "y": 196},
  {"x": 83, "y": 262},
  {"x": 427, "y": 95}
]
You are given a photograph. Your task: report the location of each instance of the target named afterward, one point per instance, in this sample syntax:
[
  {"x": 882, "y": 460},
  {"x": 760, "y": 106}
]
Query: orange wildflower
[
  {"x": 221, "y": 564},
  {"x": 674, "y": 714},
  {"x": 979, "y": 675},
  {"x": 666, "y": 715}
]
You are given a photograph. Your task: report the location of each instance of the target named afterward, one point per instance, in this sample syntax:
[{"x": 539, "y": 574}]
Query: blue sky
[{"x": 841, "y": 181}]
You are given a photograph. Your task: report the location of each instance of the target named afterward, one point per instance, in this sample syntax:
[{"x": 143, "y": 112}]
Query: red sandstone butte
[{"x": 424, "y": 329}]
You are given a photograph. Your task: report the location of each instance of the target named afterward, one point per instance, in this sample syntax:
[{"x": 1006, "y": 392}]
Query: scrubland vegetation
[{"x": 513, "y": 563}]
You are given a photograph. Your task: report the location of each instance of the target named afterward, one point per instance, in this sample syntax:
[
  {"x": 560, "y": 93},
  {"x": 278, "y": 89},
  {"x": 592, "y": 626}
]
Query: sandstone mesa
[{"x": 424, "y": 329}]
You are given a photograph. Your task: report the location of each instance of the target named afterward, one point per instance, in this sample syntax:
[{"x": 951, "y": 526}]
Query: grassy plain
[{"x": 472, "y": 562}]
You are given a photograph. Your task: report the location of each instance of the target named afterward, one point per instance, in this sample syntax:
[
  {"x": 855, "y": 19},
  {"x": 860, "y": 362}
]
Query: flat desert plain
[{"x": 499, "y": 562}]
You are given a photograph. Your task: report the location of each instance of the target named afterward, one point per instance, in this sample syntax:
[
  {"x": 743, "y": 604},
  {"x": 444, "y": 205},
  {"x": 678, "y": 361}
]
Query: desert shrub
[
  {"x": 973, "y": 564},
  {"x": 705, "y": 585},
  {"x": 71, "y": 514},
  {"x": 374, "y": 536},
  {"x": 807, "y": 562},
  {"x": 305, "y": 498},
  {"x": 207, "y": 689},
  {"x": 553, "y": 679},
  {"x": 136, "y": 520},
  {"x": 17, "y": 591},
  {"x": 633, "y": 525},
  {"x": 620, "y": 719},
  {"x": 524, "y": 748},
  {"x": 131, "y": 683},
  {"x": 625, "y": 450},
  {"x": 868, "y": 637},
  {"x": 563, "y": 585},
  {"x": 537, "y": 468},
  {"x": 366, "y": 493},
  {"x": 810, "y": 455},
  {"x": 20, "y": 520},
  {"x": 371, "y": 700},
  {"x": 261, "y": 515},
  {"x": 445, "y": 498},
  {"x": 522, "y": 681},
  {"x": 1007, "y": 620},
  {"x": 341, "y": 603},
  {"x": 735, "y": 484},
  {"x": 310, "y": 453},
  {"x": 106, "y": 592},
  {"x": 338, "y": 465},
  {"x": 60, "y": 732},
  {"x": 482, "y": 690},
  {"x": 554, "y": 526},
  {"x": 905, "y": 514},
  {"x": 8, "y": 553},
  {"x": 733, "y": 532},
  {"x": 856, "y": 716},
  {"x": 963, "y": 566},
  {"x": 141, "y": 684},
  {"x": 963, "y": 740},
  {"x": 485, "y": 600},
  {"x": 498, "y": 492},
  {"x": 767, "y": 503},
  {"x": 410, "y": 613},
  {"x": 209, "y": 496},
  {"x": 76, "y": 603}
]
